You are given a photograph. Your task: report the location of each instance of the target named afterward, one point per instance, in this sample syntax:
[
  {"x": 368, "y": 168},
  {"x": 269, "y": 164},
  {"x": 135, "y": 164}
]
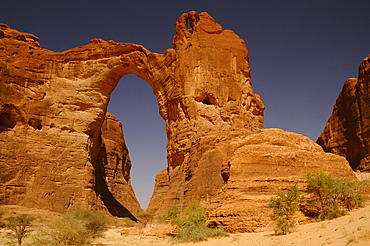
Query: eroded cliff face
[
  {"x": 261, "y": 165},
  {"x": 51, "y": 113},
  {"x": 117, "y": 165},
  {"x": 55, "y": 146},
  {"x": 210, "y": 91},
  {"x": 347, "y": 131},
  {"x": 210, "y": 101}
]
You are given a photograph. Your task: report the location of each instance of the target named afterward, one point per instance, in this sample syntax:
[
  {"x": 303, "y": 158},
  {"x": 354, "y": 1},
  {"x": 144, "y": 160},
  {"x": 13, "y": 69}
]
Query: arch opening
[{"x": 134, "y": 104}]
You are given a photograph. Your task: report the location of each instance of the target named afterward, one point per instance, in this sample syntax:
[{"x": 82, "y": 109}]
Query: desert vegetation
[
  {"x": 19, "y": 227},
  {"x": 331, "y": 197},
  {"x": 144, "y": 218},
  {"x": 326, "y": 197},
  {"x": 285, "y": 206},
  {"x": 191, "y": 224},
  {"x": 74, "y": 228},
  {"x": 322, "y": 197}
]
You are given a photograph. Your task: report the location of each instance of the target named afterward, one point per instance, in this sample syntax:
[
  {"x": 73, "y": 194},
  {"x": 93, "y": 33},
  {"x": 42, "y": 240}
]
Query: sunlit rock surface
[
  {"x": 56, "y": 151},
  {"x": 117, "y": 164}
]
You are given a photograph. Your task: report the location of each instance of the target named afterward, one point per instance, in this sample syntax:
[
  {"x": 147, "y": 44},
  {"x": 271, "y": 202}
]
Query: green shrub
[
  {"x": 285, "y": 205},
  {"x": 350, "y": 196},
  {"x": 330, "y": 196},
  {"x": 195, "y": 233},
  {"x": 192, "y": 224},
  {"x": 172, "y": 213},
  {"x": 19, "y": 225},
  {"x": 75, "y": 228}
]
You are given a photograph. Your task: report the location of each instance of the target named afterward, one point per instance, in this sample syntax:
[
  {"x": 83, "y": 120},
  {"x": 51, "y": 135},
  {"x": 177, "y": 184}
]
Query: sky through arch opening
[{"x": 135, "y": 105}]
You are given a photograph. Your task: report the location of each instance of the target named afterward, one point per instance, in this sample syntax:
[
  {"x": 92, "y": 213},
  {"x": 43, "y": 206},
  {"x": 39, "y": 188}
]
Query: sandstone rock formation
[
  {"x": 248, "y": 169},
  {"x": 347, "y": 131},
  {"x": 117, "y": 164},
  {"x": 54, "y": 144},
  {"x": 53, "y": 105},
  {"x": 52, "y": 109},
  {"x": 213, "y": 101},
  {"x": 261, "y": 165}
]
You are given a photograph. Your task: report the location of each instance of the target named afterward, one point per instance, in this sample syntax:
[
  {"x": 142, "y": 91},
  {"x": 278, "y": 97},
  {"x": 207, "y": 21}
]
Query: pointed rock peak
[
  {"x": 192, "y": 22},
  {"x": 364, "y": 69},
  {"x": 347, "y": 130}
]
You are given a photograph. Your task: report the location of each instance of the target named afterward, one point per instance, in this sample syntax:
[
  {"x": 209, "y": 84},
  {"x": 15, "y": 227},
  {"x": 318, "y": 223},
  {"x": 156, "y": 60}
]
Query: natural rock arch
[
  {"x": 53, "y": 106},
  {"x": 200, "y": 90}
]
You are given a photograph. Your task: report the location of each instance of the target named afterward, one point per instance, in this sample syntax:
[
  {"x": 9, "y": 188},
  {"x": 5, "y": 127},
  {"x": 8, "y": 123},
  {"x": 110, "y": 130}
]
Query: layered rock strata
[
  {"x": 347, "y": 131},
  {"x": 52, "y": 108},
  {"x": 54, "y": 146},
  {"x": 259, "y": 166}
]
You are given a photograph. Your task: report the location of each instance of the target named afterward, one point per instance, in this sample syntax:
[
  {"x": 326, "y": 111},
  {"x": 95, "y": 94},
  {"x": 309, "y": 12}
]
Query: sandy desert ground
[{"x": 352, "y": 229}]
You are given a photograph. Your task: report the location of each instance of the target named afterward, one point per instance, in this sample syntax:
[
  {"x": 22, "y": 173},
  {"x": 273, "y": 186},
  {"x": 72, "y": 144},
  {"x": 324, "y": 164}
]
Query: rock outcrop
[
  {"x": 247, "y": 169},
  {"x": 54, "y": 145},
  {"x": 52, "y": 109},
  {"x": 117, "y": 164},
  {"x": 53, "y": 105},
  {"x": 347, "y": 131},
  {"x": 212, "y": 100},
  {"x": 261, "y": 165}
]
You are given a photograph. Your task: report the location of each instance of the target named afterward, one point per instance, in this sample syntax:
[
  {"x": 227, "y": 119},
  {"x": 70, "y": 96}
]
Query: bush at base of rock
[
  {"x": 192, "y": 224},
  {"x": 75, "y": 228},
  {"x": 144, "y": 218},
  {"x": 330, "y": 197},
  {"x": 285, "y": 205},
  {"x": 19, "y": 225}
]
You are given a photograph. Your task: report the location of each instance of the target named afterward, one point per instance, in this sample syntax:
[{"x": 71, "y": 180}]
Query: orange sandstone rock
[
  {"x": 259, "y": 166},
  {"x": 117, "y": 164},
  {"x": 347, "y": 131},
  {"x": 58, "y": 152},
  {"x": 53, "y": 105}
]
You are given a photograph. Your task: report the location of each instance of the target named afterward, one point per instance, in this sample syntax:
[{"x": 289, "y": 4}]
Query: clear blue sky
[{"x": 301, "y": 52}]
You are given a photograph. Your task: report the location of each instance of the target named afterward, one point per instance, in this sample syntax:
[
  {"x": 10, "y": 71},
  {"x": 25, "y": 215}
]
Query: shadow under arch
[
  {"x": 114, "y": 207},
  {"x": 123, "y": 76},
  {"x": 133, "y": 60}
]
